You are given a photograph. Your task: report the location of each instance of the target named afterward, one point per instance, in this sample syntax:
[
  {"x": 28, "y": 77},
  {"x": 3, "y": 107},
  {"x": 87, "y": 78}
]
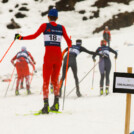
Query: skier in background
[
  {"x": 73, "y": 52},
  {"x": 104, "y": 65},
  {"x": 107, "y": 35},
  {"x": 52, "y": 33},
  {"x": 22, "y": 80},
  {"x": 22, "y": 59}
]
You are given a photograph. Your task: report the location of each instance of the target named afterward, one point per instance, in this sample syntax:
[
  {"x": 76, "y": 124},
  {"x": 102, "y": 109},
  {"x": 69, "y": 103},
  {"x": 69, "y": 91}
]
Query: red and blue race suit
[{"x": 52, "y": 33}]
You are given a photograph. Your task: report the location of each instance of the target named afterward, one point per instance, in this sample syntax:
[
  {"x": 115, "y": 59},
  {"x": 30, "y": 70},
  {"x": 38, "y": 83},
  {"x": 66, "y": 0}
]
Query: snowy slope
[{"x": 90, "y": 114}]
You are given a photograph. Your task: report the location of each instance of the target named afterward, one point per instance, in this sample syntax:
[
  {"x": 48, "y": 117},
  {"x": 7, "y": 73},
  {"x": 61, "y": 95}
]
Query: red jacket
[{"x": 107, "y": 35}]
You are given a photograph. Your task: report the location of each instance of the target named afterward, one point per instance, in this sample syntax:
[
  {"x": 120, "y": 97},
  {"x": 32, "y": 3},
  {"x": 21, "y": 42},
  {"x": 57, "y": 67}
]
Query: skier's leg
[
  {"x": 63, "y": 76},
  {"x": 102, "y": 80},
  {"x": 108, "y": 69},
  {"x": 101, "y": 68},
  {"x": 26, "y": 74},
  {"x": 74, "y": 69},
  {"x": 18, "y": 68},
  {"x": 47, "y": 70},
  {"x": 55, "y": 76},
  {"x": 55, "y": 82},
  {"x": 108, "y": 43},
  {"x": 17, "y": 86},
  {"x": 21, "y": 85},
  {"x": 28, "y": 84}
]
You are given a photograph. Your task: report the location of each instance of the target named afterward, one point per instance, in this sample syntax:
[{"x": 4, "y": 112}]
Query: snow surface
[{"x": 89, "y": 114}]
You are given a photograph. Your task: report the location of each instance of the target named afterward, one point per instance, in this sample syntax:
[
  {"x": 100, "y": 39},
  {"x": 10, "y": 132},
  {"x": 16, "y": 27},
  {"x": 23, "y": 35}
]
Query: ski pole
[
  {"x": 83, "y": 77},
  {"x": 10, "y": 81},
  {"x": 13, "y": 83},
  {"x": 93, "y": 76},
  {"x": 6, "y": 51},
  {"x": 31, "y": 76},
  {"x": 65, "y": 79},
  {"x": 115, "y": 65}
]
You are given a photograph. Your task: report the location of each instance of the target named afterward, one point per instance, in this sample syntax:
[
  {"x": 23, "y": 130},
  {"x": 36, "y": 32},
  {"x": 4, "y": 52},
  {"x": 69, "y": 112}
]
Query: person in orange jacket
[
  {"x": 22, "y": 59},
  {"x": 52, "y": 33},
  {"x": 107, "y": 35}
]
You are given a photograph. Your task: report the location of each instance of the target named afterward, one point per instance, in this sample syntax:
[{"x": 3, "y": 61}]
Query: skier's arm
[
  {"x": 36, "y": 34},
  {"x": 64, "y": 52},
  {"x": 31, "y": 57},
  {"x": 68, "y": 40},
  {"x": 82, "y": 49},
  {"x": 32, "y": 65},
  {"x": 89, "y": 52},
  {"x": 13, "y": 59},
  {"x": 113, "y": 51},
  {"x": 96, "y": 53}
]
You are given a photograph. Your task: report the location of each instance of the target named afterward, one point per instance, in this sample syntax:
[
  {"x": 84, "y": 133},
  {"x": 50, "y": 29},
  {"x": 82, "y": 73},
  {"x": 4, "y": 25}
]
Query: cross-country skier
[
  {"x": 73, "y": 52},
  {"x": 107, "y": 35},
  {"x": 22, "y": 59},
  {"x": 104, "y": 65},
  {"x": 52, "y": 33}
]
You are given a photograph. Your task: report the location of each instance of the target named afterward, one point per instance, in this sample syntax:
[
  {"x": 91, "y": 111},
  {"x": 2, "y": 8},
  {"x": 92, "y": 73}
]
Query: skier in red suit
[
  {"x": 22, "y": 59},
  {"x": 52, "y": 33}
]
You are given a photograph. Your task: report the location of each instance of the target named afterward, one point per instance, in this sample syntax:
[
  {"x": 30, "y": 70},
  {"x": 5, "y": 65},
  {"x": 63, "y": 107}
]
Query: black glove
[
  {"x": 18, "y": 36},
  {"x": 115, "y": 57},
  {"x": 94, "y": 59}
]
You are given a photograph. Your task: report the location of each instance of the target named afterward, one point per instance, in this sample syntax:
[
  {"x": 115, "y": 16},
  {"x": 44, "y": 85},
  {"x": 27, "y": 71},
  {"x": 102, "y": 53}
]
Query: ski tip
[{"x": 36, "y": 114}]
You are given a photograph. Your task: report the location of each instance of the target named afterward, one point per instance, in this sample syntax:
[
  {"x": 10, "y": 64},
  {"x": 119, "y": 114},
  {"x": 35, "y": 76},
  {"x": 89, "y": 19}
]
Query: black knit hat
[{"x": 79, "y": 42}]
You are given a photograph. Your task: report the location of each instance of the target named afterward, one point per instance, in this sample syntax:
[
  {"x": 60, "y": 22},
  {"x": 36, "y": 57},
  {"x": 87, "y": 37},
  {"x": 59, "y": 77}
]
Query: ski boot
[
  {"x": 101, "y": 91},
  {"x": 55, "y": 106},
  {"x": 45, "y": 109},
  {"x": 28, "y": 89},
  {"x": 78, "y": 91},
  {"x": 107, "y": 90},
  {"x": 51, "y": 88},
  {"x": 28, "y": 92},
  {"x": 17, "y": 92}
]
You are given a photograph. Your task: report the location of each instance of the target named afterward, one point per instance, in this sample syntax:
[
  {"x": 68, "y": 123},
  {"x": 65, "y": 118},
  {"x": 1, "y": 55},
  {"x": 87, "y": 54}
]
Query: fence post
[{"x": 128, "y": 107}]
